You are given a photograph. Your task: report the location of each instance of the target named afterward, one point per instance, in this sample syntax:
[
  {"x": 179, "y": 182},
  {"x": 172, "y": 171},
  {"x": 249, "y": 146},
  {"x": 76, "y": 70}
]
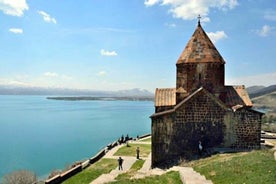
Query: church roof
[
  {"x": 200, "y": 49},
  {"x": 164, "y": 97},
  {"x": 237, "y": 95}
]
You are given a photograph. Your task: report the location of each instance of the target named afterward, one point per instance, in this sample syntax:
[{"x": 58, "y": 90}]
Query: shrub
[
  {"x": 20, "y": 177},
  {"x": 54, "y": 173}
]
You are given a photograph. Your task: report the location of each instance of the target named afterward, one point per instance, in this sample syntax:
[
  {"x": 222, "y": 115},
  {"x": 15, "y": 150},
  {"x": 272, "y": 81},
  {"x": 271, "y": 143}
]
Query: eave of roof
[{"x": 240, "y": 107}]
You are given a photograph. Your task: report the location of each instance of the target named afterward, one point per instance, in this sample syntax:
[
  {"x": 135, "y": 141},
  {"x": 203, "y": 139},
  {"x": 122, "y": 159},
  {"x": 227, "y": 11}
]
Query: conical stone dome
[{"x": 200, "y": 49}]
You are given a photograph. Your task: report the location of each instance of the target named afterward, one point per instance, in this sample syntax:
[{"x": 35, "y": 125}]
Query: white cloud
[
  {"x": 265, "y": 31},
  {"x": 50, "y": 74},
  {"x": 108, "y": 53},
  {"x": 265, "y": 79},
  {"x": 13, "y": 7},
  {"x": 101, "y": 73},
  {"x": 47, "y": 17},
  {"x": 270, "y": 15},
  {"x": 205, "y": 19},
  {"x": 190, "y": 9},
  {"x": 16, "y": 30},
  {"x": 151, "y": 2},
  {"x": 217, "y": 36}
]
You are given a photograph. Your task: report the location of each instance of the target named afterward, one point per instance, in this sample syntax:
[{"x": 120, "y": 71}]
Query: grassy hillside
[
  {"x": 105, "y": 165},
  {"x": 254, "y": 167},
  {"x": 266, "y": 102},
  {"x": 248, "y": 167}
]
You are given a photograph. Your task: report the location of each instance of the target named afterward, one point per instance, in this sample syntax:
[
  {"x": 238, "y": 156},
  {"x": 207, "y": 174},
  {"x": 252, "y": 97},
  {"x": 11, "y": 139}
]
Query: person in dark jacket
[{"x": 120, "y": 162}]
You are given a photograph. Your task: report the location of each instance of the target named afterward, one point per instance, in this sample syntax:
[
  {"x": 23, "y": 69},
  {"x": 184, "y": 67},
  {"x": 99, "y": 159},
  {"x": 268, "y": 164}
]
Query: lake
[{"x": 44, "y": 135}]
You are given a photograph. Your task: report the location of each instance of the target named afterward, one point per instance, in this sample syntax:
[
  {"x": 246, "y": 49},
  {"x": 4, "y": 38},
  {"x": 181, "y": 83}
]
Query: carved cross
[{"x": 199, "y": 17}]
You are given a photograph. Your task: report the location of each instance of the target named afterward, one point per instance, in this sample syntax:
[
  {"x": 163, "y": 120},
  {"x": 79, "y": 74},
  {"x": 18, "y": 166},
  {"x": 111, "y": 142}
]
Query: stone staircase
[{"x": 189, "y": 176}]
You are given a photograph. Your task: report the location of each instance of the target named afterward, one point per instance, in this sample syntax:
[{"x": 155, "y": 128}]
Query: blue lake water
[{"x": 44, "y": 135}]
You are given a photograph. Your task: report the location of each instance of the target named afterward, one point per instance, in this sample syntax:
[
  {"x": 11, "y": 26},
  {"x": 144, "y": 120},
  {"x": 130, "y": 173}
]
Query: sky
[{"x": 125, "y": 44}]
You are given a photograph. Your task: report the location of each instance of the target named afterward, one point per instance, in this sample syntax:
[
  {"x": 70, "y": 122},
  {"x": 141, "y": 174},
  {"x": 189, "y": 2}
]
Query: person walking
[
  {"x": 120, "y": 162},
  {"x": 138, "y": 153},
  {"x": 200, "y": 148}
]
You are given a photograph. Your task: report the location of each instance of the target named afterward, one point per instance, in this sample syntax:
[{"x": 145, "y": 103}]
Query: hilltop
[
  {"x": 256, "y": 91},
  {"x": 264, "y": 98}
]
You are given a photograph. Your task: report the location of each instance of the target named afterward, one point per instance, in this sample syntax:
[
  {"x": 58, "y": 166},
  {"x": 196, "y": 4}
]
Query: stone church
[{"x": 201, "y": 107}]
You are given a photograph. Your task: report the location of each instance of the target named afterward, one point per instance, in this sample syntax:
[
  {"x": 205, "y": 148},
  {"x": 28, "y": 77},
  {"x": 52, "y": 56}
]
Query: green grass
[
  {"x": 137, "y": 165},
  {"x": 145, "y": 149},
  {"x": 92, "y": 172},
  {"x": 132, "y": 171},
  {"x": 172, "y": 177},
  {"x": 256, "y": 167}
]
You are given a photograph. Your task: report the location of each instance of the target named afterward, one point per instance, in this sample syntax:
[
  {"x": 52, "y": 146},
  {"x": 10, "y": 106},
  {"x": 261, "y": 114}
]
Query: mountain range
[
  {"x": 22, "y": 90},
  {"x": 255, "y": 91}
]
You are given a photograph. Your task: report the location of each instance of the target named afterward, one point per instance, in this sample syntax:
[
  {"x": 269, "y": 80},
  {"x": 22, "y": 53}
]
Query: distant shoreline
[{"x": 89, "y": 98}]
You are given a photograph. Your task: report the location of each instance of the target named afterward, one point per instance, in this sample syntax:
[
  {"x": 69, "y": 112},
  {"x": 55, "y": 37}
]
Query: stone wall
[
  {"x": 192, "y": 76},
  {"x": 162, "y": 131},
  {"x": 199, "y": 119},
  {"x": 176, "y": 134},
  {"x": 247, "y": 129},
  {"x": 203, "y": 118}
]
